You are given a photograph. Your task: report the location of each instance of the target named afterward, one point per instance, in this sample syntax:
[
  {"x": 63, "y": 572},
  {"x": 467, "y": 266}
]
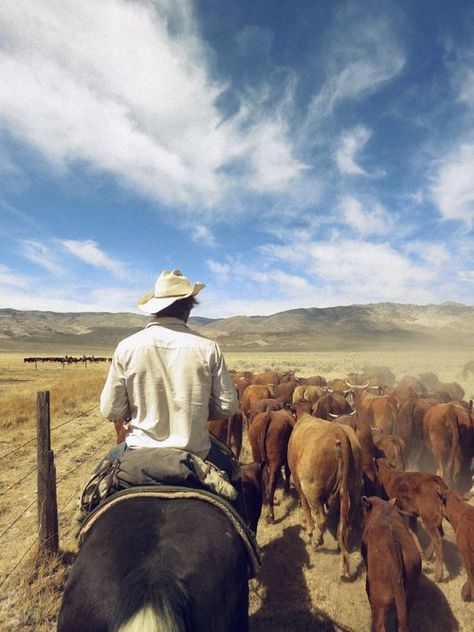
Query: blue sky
[{"x": 290, "y": 153}]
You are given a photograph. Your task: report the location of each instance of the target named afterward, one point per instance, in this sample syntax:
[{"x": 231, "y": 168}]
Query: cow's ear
[
  {"x": 366, "y": 503},
  {"x": 392, "y": 502}
]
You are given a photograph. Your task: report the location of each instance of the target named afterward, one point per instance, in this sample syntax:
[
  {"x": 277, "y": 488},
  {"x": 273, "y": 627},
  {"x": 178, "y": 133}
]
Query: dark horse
[{"x": 158, "y": 564}]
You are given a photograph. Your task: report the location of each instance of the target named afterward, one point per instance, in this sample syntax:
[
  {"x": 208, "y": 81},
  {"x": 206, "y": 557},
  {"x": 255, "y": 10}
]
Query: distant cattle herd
[
  {"x": 346, "y": 444},
  {"x": 67, "y": 359}
]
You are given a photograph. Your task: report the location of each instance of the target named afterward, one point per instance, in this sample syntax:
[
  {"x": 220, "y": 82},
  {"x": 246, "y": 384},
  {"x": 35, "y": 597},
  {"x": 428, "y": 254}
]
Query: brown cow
[
  {"x": 380, "y": 410},
  {"x": 330, "y": 406},
  {"x": 284, "y": 391},
  {"x": 253, "y": 393},
  {"x": 417, "y": 494},
  {"x": 309, "y": 392},
  {"x": 268, "y": 377},
  {"x": 392, "y": 561},
  {"x": 452, "y": 389},
  {"x": 410, "y": 381},
  {"x": 364, "y": 434},
  {"x": 268, "y": 436},
  {"x": 409, "y": 427},
  {"x": 325, "y": 460},
  {"x": 449, "y": 435},
  {"x": 461, "y": 517},
  {"x": 392, "y": 448},
  {"x": 264, "y": 406},
  {"x": 251, "y": 474},
  {"x": 301, "y": 407},
  {"x": 313, "y": 380},
  {"x": 241, "y": 384},
  {"x": 229, "y": 431}
]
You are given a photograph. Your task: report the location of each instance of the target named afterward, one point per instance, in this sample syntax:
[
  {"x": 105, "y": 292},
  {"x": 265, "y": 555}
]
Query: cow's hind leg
[
  {"x": 287, "y": 478},
  {"x": 379, "y": 614},
  {"x": 272, "y": 480},
  {"x": 437, "y": 544},
  {"x": 321, "y": 519},
  {"x": 305, "y": 505}
]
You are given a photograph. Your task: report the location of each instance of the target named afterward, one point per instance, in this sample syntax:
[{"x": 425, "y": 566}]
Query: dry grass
[{"x": 298, "y": 588}]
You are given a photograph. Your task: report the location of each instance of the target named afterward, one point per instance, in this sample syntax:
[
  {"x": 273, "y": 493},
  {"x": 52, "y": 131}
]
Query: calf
[
  {"x": 461, "y": 517},
  {"x": 392, "y": 561},
  {"x": 269, "y": 434},
  {"x": 418, "y": 494},
  {"x": 252, "y": 492}
]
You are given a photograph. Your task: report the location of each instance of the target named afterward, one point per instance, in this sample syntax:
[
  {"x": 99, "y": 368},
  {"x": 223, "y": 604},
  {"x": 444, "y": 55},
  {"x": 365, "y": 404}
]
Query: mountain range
[{"x": 304, "y": 329}]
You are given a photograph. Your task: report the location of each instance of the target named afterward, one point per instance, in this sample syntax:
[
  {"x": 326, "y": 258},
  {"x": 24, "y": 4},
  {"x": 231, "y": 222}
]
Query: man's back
[{"x": 168, "y": 381}]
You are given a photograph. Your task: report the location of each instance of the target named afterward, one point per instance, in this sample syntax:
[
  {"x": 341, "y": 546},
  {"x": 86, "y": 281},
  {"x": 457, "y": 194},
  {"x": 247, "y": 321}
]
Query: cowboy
[{"x": 166, "y": 381}]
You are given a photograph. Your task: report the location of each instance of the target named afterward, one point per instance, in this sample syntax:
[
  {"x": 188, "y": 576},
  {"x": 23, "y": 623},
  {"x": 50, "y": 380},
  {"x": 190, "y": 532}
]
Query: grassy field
[{"x": 298, "y": 588}]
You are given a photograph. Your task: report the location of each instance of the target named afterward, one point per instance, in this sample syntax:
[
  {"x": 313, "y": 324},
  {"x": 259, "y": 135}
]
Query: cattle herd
[
  {"x": 376, "y": 453},
  {"x": 66, "y": 359}
]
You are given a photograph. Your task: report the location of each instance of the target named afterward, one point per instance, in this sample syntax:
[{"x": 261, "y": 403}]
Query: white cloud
[
  {"x": 13, "y": 279},
  {"x": 453, "y": 190},
  {"x": 362, "y": 57},
  {"x": 435, "y": 255},
  {"x": 351, "y": 142},
  {"x": 351, "y": 271},
  {"x": 220, "y": 270},
  {"x": 202, "y": 235},
  {"x": 77, "y": 87},
  {"x": 40, "y": 254},
  {"x": 89, "y": 252},
  {"x": 373, "y": 221}
]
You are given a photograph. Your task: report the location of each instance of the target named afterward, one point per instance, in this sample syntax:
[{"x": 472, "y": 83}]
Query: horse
[{"x": 153, "y": 564}]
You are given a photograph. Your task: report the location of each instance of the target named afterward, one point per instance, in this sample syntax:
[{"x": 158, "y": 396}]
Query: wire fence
[
  {"x": 65, "y": 475},
  {"x": 33, "y": 439}
]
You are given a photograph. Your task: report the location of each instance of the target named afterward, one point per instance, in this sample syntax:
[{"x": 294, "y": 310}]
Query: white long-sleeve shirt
[{"x": 168, "y": 381}]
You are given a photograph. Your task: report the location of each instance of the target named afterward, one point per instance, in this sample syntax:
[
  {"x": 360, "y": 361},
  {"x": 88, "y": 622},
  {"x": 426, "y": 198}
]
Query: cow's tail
[
  {"x": 344, "y": 454},
  {"x": 399, "y": 588},
  {"x": 263, "y": 438},
  {"x": 454, "y": 456},
  {"x": 159, "y": 604}
]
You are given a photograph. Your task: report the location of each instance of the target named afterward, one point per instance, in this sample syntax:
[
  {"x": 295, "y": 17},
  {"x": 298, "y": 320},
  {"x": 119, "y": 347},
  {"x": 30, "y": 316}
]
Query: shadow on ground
[{"x": 286, "y": 604}]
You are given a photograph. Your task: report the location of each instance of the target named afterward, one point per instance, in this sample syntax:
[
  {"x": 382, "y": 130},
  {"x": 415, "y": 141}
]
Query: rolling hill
[{"x": 351, "y": 326}]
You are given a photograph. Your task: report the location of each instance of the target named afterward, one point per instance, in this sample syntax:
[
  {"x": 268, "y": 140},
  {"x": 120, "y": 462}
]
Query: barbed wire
[
  {"x": 64, "y": 423},
  {"x": 4, "y": 456},
  {"x": 64, "y": 506},
  {"x": 20, "y": 561},
  {"x": 18, "y": 517},
  {"x": 4, "y": 491}
]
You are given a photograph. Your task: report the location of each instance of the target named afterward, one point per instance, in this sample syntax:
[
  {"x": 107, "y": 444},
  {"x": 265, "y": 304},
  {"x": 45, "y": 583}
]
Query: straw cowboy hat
[{"x": 170, "y": 286}]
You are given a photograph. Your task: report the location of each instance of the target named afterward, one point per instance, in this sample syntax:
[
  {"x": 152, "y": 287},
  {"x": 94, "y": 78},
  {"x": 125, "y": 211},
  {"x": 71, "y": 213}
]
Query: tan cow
[{"x": 325, "y": 461}]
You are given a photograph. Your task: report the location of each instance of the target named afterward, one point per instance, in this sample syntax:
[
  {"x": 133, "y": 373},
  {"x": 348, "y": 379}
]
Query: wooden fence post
[{"x": 47, "y": 502}]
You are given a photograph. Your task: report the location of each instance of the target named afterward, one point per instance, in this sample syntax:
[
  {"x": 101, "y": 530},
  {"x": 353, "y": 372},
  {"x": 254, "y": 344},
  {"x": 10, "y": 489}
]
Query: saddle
[{"x": 153, "y": 466}]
